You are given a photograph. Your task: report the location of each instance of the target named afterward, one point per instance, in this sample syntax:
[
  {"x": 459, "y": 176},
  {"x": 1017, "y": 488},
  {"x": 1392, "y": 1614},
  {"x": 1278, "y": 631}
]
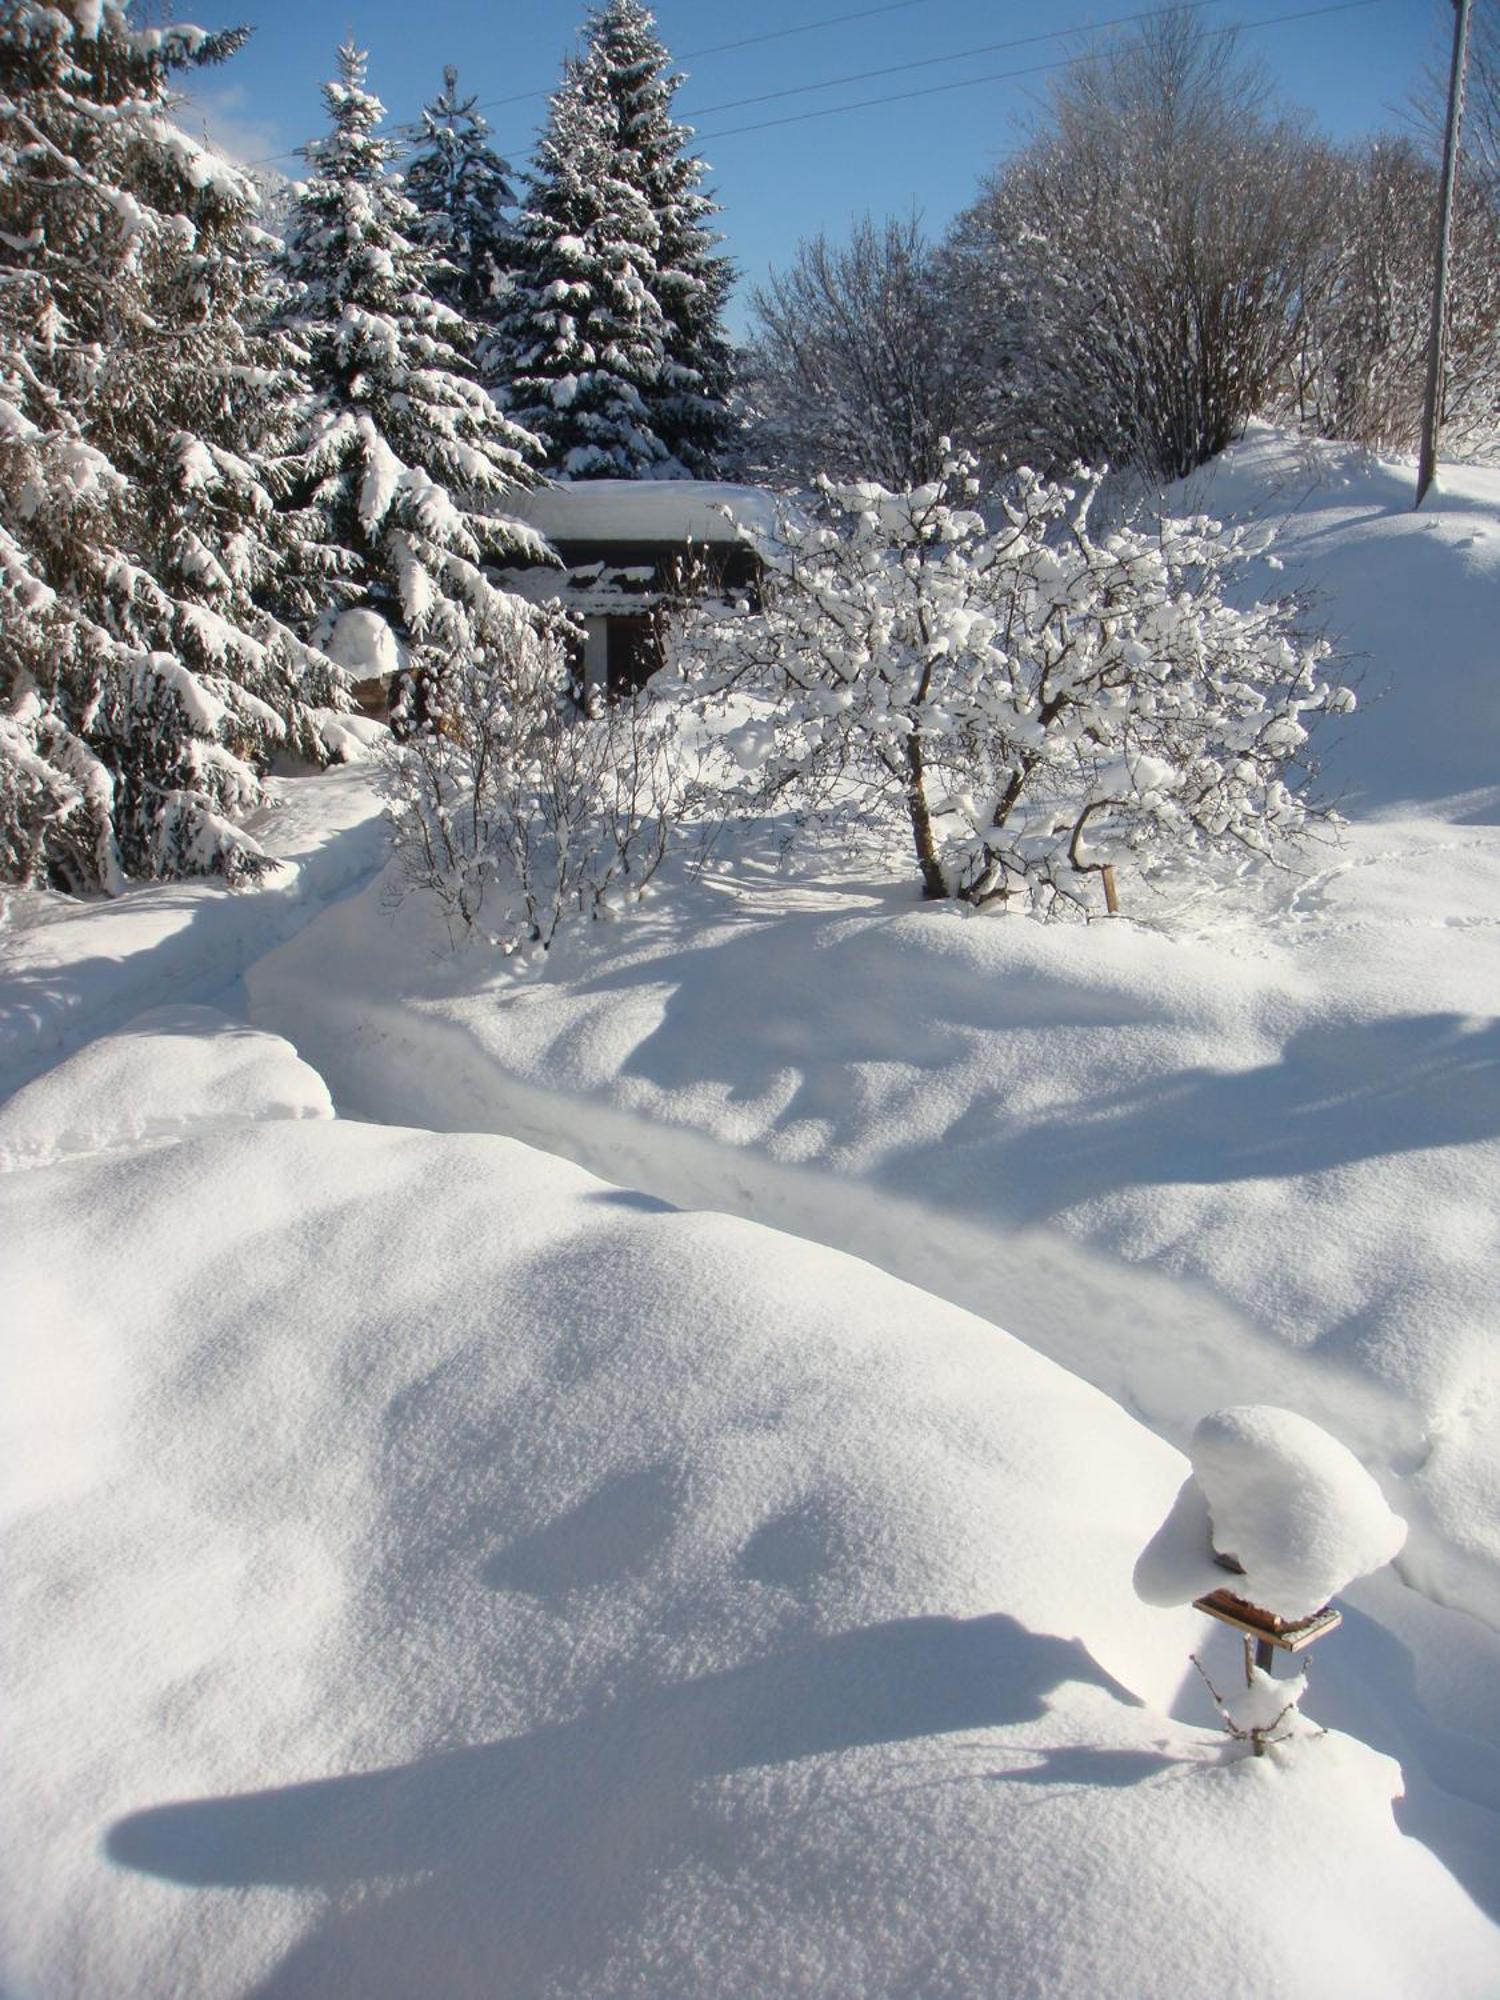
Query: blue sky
[{"x": 1350, "y": 68}]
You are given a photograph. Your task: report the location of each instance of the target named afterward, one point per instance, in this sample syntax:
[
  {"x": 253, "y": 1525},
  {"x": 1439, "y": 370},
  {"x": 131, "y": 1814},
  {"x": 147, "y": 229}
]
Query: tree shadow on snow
[
  {"x": 1339, "y": 1094},
  {"x": 512, "y": 1866}
]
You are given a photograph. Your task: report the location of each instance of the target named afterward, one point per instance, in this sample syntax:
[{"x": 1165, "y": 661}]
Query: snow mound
[
  {"x": 365, "y": 646},
  {"x": 171, "y": 1071},
  {"x": 1292, "y": 1505},
  {"x": 1272, "y": 1116},
  {"x": 428, "y": 1568}
]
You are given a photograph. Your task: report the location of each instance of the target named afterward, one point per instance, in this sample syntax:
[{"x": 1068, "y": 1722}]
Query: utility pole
[{"x": 1433, "y": 403}]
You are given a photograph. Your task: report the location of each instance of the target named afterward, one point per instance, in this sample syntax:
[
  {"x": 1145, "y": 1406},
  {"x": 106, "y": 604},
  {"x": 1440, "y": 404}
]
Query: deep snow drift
[
  {"x": 1285, "y": 1100},
  {"x": 429, "y": 1569},
  {"x": 433, "y": 1570}
]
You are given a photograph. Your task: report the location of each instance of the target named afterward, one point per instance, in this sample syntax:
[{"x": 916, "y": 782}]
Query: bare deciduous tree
[
  {"x": 1358, "y": 367},
  {"x": 853, "y": 369},
  {"x": 1137, "y": 272}
]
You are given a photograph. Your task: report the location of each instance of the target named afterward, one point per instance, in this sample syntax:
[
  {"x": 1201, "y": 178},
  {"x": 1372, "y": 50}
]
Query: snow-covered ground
[
  {"x": 434, "y": 1569},
  {"x": 1286, "y": 1101},
  {"x": 69, "y": 971}
]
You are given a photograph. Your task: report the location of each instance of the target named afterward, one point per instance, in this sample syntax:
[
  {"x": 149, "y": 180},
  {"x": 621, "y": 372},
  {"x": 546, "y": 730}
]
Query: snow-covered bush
[
  {"x": 1266, "y": 1711},
  {"x": 1031, "y": 700},
  {"x": 515, "y": 803}
]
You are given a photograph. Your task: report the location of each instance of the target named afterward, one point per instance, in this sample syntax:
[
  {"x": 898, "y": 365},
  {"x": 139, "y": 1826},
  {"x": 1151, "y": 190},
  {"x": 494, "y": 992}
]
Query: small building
[{"x": 626, "y": 546}]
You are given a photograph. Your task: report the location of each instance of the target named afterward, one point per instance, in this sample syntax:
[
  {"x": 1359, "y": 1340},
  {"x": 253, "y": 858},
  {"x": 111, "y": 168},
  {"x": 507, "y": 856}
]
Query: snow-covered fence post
[{"x": 1294, "y": 1517}]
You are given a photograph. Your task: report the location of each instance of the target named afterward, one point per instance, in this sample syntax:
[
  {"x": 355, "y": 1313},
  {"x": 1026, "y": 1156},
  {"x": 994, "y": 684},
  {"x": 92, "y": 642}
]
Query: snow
[
  {"x": 431, "y": 1568},
  {"x": 429, "y": 1565},
  {"x": 647, "y": 510},
  {"x": 364, "y": 645},
  {"x": 168, "y": 1072},
  {"x": 1295, "y": 1509},
  {"x": 1265, "y": 1124},
  {"x": 70, "y": 970}
]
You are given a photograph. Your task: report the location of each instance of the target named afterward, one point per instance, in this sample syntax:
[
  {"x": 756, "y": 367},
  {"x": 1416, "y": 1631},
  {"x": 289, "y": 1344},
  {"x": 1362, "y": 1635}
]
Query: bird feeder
[{"x": 1264, "y": 1628}]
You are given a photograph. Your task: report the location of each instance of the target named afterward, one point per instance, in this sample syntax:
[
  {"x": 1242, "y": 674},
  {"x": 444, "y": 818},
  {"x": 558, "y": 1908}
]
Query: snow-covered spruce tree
[
  {"x": 401, "y": 454},
  {"x": 617, "y": 349},
  {"x": 465, "y": 198},
  {"x": 142, "y": 681},
  {"x": 1030, "y": 703},
  {"x": 691, "y": 409}
]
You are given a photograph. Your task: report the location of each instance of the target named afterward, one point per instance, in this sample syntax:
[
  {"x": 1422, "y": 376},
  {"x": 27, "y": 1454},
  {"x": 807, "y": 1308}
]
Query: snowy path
[
  {"x": 1411, "y": 1676},
  {"x": 82, "y": 969}
]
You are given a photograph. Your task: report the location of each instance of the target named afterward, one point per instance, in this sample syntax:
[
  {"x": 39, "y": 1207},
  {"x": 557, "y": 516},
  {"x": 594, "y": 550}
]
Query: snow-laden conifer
[
  {"x": 617, "y": 346},
  {"x": 464, "y": 193},
  {"x": 143, "y": 683},
  {"x": 401, "y": 453},
  {"x": 693, "y": 280}
]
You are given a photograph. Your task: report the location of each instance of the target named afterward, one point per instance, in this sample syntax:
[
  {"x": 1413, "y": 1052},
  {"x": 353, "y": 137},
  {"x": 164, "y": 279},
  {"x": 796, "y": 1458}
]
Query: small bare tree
[
  {"x": 853, "y": 369},
  {"x": 518, "y": 803}
]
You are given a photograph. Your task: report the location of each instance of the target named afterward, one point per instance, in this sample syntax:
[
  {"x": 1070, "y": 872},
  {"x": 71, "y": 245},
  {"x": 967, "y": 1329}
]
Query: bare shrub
[{"x": 518, "y": 803}]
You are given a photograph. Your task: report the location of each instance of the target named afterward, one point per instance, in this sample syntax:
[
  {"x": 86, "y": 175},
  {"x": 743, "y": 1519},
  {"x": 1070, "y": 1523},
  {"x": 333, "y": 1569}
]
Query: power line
[
  {"x": 807, "y": 28},
  {"x": 747, "y": 42},
  {"x": 958, "y": 55},
  {"x": 1005, "y": 75},
  {"x": 928, "y": 90}
]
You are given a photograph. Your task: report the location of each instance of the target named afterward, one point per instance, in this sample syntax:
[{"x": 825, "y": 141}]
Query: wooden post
[
  {"x": 1432, "y": 406},
  {"x": 1111, "y": 900}
]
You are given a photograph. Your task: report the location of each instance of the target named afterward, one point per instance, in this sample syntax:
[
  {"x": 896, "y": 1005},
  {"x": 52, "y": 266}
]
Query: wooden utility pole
[{"x": 1433, "y": 403}]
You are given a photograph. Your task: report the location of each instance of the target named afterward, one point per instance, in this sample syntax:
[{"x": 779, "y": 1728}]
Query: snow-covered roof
[
  {"x": 643, "y": 510},
  {"x": 595, "y": 590}
]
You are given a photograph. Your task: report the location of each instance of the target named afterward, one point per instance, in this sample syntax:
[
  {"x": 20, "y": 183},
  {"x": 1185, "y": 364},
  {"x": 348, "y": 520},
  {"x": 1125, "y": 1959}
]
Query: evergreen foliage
[
  {"x": 463, "y": 192},
  {"x": 619, "y": 355},
  {"x": 401, "y": 453},
  {"x": 143, "y": 682}
]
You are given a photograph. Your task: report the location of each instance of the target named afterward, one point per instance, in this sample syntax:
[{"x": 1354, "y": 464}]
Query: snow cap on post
[
  {"x": 1292, "y": 1505},
  {"x": 1280, "y": 1497}
]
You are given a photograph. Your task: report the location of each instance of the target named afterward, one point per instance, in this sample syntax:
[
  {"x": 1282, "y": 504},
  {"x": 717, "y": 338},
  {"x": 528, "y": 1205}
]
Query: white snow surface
[
  {"x": 431, "y": 1569},
  {"x": 1295, "y": 1508},
  {"x": 72, "y": 970},
  {"x": 1244, "y": 1150},
  {"x": 364, "y": 645},
  {"x": 628, "y": 510},
  {"x": 171, "y": 1071}
]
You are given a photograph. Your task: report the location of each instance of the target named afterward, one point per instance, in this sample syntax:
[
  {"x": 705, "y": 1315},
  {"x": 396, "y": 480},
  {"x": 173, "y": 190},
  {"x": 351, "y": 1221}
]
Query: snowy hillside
[
  {"x": 449, "y": 1573},
  {"x": 1286, "y": 1099},
  {"x": 434, "y": 1566}
]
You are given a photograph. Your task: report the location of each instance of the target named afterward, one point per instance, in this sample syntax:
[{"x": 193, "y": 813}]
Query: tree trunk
[{"x": 934, "y": 886}]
